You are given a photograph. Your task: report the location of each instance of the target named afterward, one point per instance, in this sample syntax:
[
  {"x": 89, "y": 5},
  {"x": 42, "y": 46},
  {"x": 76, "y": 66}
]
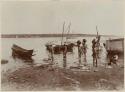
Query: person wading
[
  {"x": 64, "y": 55},
  {"x": 79, "y": 51},
  {"x": 51, "y": 53},
  {"x": 94, "y": 52},
  {"x": 98, "y": 46},
  {"x": 84, "y": 48},
  {"x": 104, "y": 54}
]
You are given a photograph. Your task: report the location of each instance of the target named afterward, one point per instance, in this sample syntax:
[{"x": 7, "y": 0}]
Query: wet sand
[{"x": 48, "y": 77}]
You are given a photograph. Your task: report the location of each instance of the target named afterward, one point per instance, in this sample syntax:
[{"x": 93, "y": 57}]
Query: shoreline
[{"x": 39, "y": 78}]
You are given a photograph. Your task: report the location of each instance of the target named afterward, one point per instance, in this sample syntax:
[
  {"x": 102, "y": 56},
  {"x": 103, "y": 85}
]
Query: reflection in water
[{"x": 38, "y": 44}]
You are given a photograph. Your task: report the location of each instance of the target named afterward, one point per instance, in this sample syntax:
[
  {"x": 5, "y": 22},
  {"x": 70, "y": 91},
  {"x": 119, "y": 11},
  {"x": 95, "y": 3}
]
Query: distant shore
[{"x": 50, "y": 35}]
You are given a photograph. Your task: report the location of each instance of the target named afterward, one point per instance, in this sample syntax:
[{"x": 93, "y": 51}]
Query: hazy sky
[{"x": 48, "y": 17}]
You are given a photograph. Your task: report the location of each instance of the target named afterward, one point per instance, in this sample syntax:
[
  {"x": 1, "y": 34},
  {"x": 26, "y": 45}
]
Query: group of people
[
  {"x": 97, "y": 54},
  {"x": 82, "y": 51}
]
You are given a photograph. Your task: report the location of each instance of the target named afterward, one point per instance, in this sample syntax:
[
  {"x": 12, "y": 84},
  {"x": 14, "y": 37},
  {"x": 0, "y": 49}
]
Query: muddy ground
[{"x": 49, "y": 77}]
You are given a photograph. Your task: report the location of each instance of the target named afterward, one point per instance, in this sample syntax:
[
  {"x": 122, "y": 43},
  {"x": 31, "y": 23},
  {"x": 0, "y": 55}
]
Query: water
[{"x": 38, "y": 44}]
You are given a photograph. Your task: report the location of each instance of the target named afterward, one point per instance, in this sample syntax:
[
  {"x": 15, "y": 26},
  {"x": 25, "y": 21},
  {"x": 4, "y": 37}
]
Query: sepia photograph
[{"x": 62, "y": 45}]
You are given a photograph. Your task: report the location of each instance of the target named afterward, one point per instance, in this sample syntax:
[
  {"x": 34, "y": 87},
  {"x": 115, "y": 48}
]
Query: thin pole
[
  {"x": 63, "y": 32},
  {"x": 97, "y": 54},
  {"x": 68, "y": 31},
  {"x": 97, "y": 30}
]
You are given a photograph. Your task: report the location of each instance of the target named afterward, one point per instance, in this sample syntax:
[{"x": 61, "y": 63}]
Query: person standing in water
[
  {"x": 79, "y": 51},
  {"x": 94, "y": 52},
  {"x": 104, "y": 54},
  {"x": 98, "y": 46},
  {"x": 64, "y": 55},
  {"x": 84, "y": 48},
  {"x": 51, "y": 53}
]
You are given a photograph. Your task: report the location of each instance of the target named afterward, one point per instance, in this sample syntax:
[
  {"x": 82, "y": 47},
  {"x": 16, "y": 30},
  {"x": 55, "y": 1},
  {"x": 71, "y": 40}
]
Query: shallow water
[{"x": 38, "y": 44}]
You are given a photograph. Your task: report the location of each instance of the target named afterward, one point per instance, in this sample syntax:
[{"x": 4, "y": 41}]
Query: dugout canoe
[{"x": 20, "y": 52}]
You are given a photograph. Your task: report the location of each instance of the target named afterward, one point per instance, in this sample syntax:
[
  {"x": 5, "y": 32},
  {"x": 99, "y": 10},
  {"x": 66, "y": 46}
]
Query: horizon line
[{"x": 51, "y": 35}]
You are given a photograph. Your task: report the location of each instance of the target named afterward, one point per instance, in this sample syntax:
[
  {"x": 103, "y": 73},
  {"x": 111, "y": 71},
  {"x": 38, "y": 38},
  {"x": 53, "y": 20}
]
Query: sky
[{"x": 47, "y": 17}]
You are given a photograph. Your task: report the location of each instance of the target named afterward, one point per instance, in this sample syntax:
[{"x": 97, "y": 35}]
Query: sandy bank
[{"x": 48, "y": 77}]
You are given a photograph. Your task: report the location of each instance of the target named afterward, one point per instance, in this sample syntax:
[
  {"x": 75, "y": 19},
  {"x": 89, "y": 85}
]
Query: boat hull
[
  {"x": 115, "y": 46},
  {"x": 21, "y": 53},
  {"x": 58, "y": 49}
]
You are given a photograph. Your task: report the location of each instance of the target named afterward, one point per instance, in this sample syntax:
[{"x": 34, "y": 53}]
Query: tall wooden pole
[
  {"x": 68, "y": 31},
  {"x": 63, "y": 32},
  {"x": 97, "y": 31}
]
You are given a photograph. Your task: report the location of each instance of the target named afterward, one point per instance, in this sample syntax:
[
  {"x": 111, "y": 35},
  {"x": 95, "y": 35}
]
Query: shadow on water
[
  {"x": 25, "y": 61},
  {"x": 3, "y": 61}
]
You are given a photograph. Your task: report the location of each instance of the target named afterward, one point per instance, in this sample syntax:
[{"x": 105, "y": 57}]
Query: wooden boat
[
  {"x": 21, "y": 53},
  {"x": 115, "y": 46},
  {"x": 58, "y": 49}
]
